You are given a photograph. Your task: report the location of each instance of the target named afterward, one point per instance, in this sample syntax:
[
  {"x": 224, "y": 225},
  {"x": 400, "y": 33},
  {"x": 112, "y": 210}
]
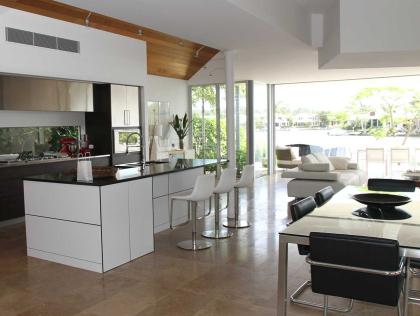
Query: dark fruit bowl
[{"x": 381, "y": 200}]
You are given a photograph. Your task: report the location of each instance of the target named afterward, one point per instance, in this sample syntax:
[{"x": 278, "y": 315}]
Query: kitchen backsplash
[{"x": 35, "y": 139}]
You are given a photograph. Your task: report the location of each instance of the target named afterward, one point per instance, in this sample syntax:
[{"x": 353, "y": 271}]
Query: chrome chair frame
[
  {"x": 294, "y": 298},
  {"x": 413, "y": 295},
  {"x": 404, "y": 263}
]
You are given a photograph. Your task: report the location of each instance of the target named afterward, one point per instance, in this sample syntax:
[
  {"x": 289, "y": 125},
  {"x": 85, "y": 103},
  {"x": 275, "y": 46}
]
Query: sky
[{"x": 335, "y": 95}]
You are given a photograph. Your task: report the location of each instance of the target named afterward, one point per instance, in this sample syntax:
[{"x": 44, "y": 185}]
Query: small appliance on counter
[{"x": 69, "y": 146}]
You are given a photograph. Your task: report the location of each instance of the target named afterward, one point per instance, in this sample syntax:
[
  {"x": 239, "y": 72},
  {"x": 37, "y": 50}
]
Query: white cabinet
[
  {"x": 166, "y": 185},
  {"x": 70, "y": 243},
  {"x": 184, "y": 180},
  {"x": 161, "y": 213},
  {"x": 77, "y": 203},
  {"x": 141, "y": 217},
  {"x": 133, "y": 105},
  {"x": 125, "y": 109},
  {"x": 160, "y": 185},
  {"x": 115, "y": 225}
]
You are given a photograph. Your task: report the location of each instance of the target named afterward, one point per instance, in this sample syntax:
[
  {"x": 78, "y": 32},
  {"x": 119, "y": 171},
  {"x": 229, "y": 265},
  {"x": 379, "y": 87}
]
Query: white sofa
[{"x": 318, "y": 171}]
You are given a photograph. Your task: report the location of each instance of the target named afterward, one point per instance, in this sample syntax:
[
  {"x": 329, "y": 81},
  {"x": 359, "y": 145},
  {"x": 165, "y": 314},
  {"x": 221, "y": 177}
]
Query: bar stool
[
  {"x": 225, "y": 185},
  {"x": 202, "y": 191},
  {"x": 246, "y": 181}
]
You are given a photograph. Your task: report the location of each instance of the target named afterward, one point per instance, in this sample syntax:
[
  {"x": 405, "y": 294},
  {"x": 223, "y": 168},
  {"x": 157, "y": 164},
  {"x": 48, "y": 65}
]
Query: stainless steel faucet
[{"x": 127, "y": 146}]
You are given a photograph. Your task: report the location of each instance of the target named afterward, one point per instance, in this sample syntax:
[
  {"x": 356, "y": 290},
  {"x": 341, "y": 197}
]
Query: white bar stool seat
[
  {"x": 202, "y": 191},
  {"x": 246, "y": 181},
  {"x": 225, "y": 185}
]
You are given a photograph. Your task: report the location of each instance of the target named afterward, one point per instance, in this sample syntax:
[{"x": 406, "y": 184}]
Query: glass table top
[{"x": 336, "y": 217}]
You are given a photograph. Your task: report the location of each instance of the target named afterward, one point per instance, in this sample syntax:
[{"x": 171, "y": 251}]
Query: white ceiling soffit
[
  {"x": 374, "y": 33},
  {"x": 272, "y": 37}
]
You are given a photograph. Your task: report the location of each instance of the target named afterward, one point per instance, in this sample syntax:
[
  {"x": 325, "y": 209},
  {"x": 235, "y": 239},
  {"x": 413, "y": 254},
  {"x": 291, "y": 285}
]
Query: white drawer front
[
  {"x": 141, "y": 217},
  {"x": 115, "y": 225},
  {"x": 79, "y": 203},
  {"x": 160, "y": 185},
  {"x": 183, "y": 180},
  {"x": 75, "y": 240},
  {"x": 161, "y": 213}
]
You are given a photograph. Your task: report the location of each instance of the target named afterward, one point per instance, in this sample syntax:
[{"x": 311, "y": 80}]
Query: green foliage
[
  {"x": 181, "y": 126},
  {"x": 206, "y": 145},
  {"x": 204, "y": 93},
  {"x": 56, "y": 133}
]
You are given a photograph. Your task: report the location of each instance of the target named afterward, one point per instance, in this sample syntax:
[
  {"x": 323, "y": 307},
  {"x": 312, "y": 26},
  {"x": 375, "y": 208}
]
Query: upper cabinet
[
  {"x": 125, "y": 106},
  {"x": 20, "y": 93}
]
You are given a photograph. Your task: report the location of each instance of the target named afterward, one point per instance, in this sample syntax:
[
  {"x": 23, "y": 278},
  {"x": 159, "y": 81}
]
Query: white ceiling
[{"x": 266, "y": 49}]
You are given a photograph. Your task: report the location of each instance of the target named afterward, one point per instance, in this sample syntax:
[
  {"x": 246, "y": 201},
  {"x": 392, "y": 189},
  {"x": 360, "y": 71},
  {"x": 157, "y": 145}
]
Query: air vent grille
[
  {"x": 41, "y": 40},
  {"x": 68, "y": 45},
  {"x": 19, "y": 36},
  {"x": 46, "y": 41}
]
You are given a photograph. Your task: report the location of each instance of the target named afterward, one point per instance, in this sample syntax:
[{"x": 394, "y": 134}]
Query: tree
[
  {"x": 411, "y": 116},
  {"x": 388, "y": 99},
  {"x": 203, "y": 94}
]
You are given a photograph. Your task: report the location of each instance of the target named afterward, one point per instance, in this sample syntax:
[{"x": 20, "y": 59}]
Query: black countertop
[
  {"x": 129, "y": 174},
  {"x": 43, "y": 161}
]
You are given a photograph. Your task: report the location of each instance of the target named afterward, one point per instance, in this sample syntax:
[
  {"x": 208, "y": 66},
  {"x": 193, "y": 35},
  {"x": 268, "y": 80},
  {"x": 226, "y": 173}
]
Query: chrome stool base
[
  {"x": 233, "y": 223},
  {"x": 217, "y": 234},
  {"x": 194, "y": 244}
]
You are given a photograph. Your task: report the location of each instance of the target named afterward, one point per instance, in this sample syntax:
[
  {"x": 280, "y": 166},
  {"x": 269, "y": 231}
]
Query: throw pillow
[
  {"x": 324, "y": 159},
  {"x": 340, "y": 163},
  {"x": 309, "y": 159}
]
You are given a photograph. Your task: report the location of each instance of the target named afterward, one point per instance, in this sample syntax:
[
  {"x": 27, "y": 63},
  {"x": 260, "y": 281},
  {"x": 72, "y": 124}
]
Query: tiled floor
[{"x": 237, "y": 276}]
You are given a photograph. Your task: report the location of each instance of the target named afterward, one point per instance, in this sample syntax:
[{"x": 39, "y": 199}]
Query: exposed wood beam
[{"x": 167, "y": 55}]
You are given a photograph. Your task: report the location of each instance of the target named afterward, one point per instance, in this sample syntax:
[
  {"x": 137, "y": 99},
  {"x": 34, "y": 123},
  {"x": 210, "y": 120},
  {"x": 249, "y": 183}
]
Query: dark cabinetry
[{"x": 115, "y": 107}]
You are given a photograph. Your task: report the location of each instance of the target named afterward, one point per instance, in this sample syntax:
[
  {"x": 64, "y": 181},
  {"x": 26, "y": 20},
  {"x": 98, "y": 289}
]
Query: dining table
[{"x": 336, "y": 217}]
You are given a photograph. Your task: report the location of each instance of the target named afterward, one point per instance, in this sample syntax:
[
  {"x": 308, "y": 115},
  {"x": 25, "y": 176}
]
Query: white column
[{"x": 230, "y": 119}]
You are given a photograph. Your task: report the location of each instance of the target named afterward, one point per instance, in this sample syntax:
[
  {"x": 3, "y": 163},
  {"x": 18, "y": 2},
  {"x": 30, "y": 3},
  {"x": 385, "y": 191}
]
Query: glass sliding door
[
  {"x": 241, "y": 128},
  {"x": 204, "y": 102},
  {"x": 209, "y": 121},
  {"x": 260, "y": 105}
]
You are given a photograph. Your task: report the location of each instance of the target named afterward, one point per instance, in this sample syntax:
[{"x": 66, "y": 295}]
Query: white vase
[{"x": 154, "y": 151}]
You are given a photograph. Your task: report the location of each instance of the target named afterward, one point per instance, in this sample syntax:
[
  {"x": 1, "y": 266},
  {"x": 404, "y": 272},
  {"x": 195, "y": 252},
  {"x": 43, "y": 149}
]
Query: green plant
[{"x": 181, "y": 128}]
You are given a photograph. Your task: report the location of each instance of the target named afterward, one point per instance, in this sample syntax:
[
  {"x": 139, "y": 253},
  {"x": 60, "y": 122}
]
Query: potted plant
[{"x": 181, "y": 127}]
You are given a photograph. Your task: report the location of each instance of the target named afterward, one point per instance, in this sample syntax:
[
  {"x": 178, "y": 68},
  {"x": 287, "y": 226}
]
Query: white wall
[
  {"x": 104, "y": 57},
  {"x": 379, "y": 25},
  {"x": 213, "y": 72},
  {"x": 331, "y": 40},
  {"x": 174, "y": 91}
]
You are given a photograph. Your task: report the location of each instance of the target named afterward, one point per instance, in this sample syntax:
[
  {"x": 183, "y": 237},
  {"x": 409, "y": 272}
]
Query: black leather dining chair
[
  {"x": 391, "y": 185},
  {"x": 357, "y": 267},
  {"x": 396, "y": 185},
  {"x": 324, "y": 195},
  {"x": 299, "y": 210}
]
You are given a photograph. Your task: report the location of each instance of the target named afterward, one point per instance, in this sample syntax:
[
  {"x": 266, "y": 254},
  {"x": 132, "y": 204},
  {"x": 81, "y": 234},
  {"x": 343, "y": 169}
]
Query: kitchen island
[{"x": 107, "y": 222}]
